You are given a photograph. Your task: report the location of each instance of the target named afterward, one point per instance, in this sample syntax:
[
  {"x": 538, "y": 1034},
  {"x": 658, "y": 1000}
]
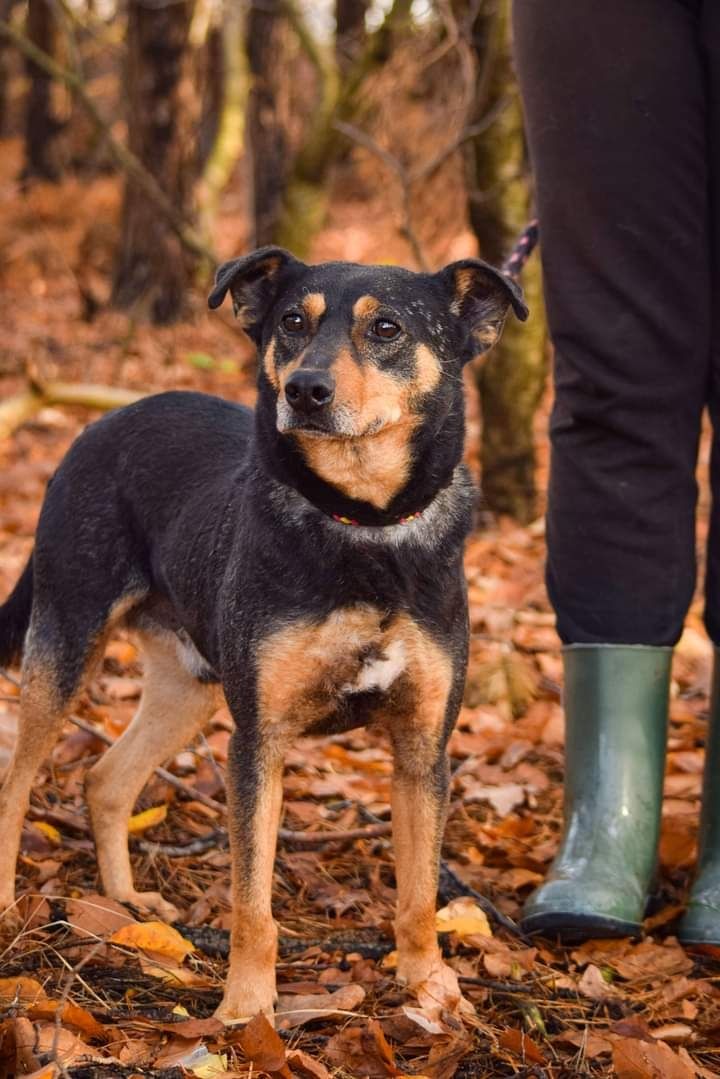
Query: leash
[{"x": 522, "y": 250}]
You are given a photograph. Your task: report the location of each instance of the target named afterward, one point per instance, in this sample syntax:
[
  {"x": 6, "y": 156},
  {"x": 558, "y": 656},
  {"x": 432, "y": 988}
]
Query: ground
[{"x": 85, "y": 990}]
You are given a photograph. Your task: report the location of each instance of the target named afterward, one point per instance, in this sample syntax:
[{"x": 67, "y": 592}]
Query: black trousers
[{"x": 622, "y": 101}]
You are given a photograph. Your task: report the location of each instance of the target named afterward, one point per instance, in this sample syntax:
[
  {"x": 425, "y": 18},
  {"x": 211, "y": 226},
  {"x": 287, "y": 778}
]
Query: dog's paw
[
  {"x": 421, "y": 970},
  {"x": 244, "y": 1004},
  {"x": 150, "y": 903}
]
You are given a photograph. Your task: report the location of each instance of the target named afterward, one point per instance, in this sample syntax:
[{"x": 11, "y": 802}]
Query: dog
[{"x": 304, "y": 560}]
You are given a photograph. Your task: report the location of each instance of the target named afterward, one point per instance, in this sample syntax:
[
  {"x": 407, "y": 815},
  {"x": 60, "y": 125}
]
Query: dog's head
[
  {"x": 361, "y": 366},
  {"x": 351, "y": 353}
]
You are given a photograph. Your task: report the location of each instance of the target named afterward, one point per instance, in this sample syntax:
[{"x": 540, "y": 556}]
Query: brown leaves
[
  {"x": 296, "y": 1010},
  {"x": 645, "y": 1058}
]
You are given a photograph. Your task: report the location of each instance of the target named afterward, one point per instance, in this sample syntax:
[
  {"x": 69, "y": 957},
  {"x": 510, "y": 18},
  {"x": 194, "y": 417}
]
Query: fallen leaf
[
  {"x": 71, "y": 1015},
  {"x": 635, "y": 1059},
  {"x": 673, "y": 1032},
  {"x": 446, "y": 1053},
  {"x": 593, "y": 986},
  {"x": 154, "y": 937},
  {"x": 463, "y": 917},
  {"x": 149, "y": 818},
  {"x": 292, "y": 1011},
  {"x": 306, "y": 1067},
  {"x": 522, "y": 1046},
  {"x": 26, "y": 990},
  {"x": 97, "y": 916},
  {"x": 591, "y": 1044},
  {"x": 67, "y": 1046},
  {"x": 357, "y": 1051},
  {"x": 263, "y": 1047},
  {"x": 503, "y": 798},
  {"x": 49, "y": 831}
]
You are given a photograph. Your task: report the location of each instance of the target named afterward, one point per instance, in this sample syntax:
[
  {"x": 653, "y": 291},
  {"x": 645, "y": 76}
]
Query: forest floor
[{"x": 88, "y": 988}]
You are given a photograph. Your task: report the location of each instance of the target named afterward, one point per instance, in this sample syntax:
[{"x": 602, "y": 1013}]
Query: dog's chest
[{"x": 341, "y": 665}]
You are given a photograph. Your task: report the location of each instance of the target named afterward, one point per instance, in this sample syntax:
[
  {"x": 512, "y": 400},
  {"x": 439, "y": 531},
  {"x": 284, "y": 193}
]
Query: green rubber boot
[
  {"x": 616, "y": 714},
  {"x": 701, "y": 923}
]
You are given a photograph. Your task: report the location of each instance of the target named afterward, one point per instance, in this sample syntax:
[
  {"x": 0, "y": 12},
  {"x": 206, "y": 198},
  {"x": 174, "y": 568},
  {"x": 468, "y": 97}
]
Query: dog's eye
[
  {"x": 385, "y": 329},
  {"x": 293, "y": 322}
]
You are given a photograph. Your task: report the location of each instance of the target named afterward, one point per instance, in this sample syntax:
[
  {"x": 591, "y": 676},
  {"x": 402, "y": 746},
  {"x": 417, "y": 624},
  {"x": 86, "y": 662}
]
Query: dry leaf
[
  {"x": 359, "y": 1052},
  {"x": 593, "y": 986},
  {"x": 292, "y": 1011},
  {"x": 522, "y": 1046},
  {"x": 149, "y": 818},
  {"x": 157, "y": 938},
  {"x": 306, "y": 1067},
  {"x": 71, "y": 1015},
  {"x": 49, "y": 831},
  {"x": 636, "y": 1059},
  {"x": 463, "y": 917},
  {"x": 26, "y": 990},
  {"x": 97, "y": 916},
  {"x": 263, "y": 1046}
]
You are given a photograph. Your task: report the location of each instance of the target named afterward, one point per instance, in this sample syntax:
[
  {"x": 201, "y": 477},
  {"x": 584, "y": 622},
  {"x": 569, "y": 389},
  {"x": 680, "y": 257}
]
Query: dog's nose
[{"x": 308, "y": 391}]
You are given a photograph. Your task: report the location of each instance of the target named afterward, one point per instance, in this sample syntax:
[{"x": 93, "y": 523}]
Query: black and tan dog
[{"x": 304, "y": 559}]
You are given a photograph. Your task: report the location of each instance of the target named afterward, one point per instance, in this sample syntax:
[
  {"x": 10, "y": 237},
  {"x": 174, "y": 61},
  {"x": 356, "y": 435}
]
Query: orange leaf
[
  {"x": 149, "y": 818},
  {"x": 155, "y": 937},
  {"x": 26, "y": 990},
  {"x": 522, "y": 1046},
  {"x": 635, "y": 1059},
  {"x": 71, "y": 1015},
  {"x": 262, "y": 1045}
]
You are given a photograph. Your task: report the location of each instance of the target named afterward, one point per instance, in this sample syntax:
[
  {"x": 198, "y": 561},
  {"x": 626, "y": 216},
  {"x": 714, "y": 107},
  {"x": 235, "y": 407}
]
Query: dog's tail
[{"x": 15, "y": 618}]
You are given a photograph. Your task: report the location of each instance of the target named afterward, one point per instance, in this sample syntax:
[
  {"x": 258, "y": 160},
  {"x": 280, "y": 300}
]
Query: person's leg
[
  {"x": 701, "y": 923},
  {"x": 616, "y": 114}
]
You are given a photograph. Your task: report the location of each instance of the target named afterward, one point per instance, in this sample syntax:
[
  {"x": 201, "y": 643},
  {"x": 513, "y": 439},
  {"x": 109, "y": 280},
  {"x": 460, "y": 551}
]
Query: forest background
[{"x": 140, "y": 144}]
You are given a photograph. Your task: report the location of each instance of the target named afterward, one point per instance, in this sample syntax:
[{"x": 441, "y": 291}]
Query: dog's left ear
[
  {"x": 480, "y": 296},
  {"x": 253, "y": 282}
]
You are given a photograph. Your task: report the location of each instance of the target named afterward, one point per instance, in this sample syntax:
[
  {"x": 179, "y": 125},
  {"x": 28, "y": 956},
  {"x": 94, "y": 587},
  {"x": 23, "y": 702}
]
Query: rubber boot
[
  {"x": 616, "y": 716},
  {"x": 701, "y": 923}
]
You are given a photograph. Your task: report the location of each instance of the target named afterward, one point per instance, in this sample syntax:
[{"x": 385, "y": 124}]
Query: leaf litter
[{"x": 89, "y": 988}]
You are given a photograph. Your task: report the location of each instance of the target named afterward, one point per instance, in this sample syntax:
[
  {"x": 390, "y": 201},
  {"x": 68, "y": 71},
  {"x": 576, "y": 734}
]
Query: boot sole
[{"x": 575, "y": 928}]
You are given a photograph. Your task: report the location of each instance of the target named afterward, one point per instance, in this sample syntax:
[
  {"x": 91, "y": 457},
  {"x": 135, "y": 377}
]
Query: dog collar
[{"x": 398, "y": 521}]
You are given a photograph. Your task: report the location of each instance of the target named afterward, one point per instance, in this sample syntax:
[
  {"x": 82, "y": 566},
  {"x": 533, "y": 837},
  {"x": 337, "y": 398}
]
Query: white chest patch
[{"x": 379, "y": 672}]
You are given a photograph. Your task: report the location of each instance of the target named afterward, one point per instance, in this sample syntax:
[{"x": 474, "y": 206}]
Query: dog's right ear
[{"x": 253, "y": 283}]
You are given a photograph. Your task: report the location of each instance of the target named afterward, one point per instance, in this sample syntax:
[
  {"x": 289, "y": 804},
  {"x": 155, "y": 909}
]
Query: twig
[
  {"x": 124, "y": 157},
  {"x": 511, "y": 988},
  {"x": 312, "y": 839},
  {"x": 64, "y": 997},
  {"x": 168, "y": 777},
  {"x": 218, "y": 838},
  {"x": 404, "y": 178},
  {"x": 490, "y": 909}
]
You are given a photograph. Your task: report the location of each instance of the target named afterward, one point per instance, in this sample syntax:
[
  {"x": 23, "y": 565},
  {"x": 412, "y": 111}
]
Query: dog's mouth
[{"x": 339, "y": 425}]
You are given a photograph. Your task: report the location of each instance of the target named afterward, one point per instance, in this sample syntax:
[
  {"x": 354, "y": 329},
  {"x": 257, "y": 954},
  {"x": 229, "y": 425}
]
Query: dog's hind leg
[
  {"x": 173, "y": 708},
  {"x": 54, "y": 667}
]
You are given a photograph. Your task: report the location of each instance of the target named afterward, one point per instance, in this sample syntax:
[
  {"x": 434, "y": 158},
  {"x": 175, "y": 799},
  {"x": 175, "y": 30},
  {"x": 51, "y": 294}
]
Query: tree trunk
[
  {"x": 152, "y": 269},
  {"x": 42, "y": 126},
  {"x": 512, "y": 380},
  {"x": 268, "y": 114},
  {"x": 232, "y": 109},
  {"x": 349, "y": 32}
]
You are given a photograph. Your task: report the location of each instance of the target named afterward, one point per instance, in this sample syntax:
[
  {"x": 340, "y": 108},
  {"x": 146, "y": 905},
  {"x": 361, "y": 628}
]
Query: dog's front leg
[
  {"x": 419, "y": 806},
  {"x": 419, "y": 731},
  {"x": 255, "y": 798}
]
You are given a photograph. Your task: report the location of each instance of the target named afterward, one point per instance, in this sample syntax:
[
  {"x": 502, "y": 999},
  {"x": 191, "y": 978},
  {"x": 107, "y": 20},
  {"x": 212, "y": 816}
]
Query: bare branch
[{"x": 124, "y": 157}]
